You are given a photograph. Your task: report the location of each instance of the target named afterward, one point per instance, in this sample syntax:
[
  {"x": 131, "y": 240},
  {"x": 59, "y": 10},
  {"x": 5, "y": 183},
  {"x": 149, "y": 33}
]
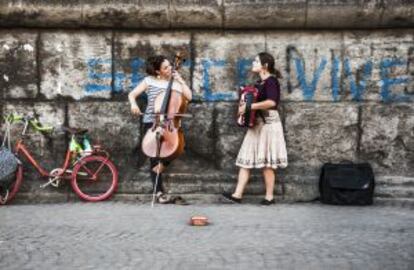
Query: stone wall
[
  {"x": 213, "y": 14},
  {"x": 346, "y": 94}
]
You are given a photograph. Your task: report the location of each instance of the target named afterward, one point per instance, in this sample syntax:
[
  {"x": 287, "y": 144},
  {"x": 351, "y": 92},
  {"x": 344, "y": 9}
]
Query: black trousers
[{"x": 159, "y": 187}]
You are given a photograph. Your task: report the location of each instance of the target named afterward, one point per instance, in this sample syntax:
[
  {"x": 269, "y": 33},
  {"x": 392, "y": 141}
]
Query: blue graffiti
[
  {"x": 335, "y": 79},
  {"x": 137, "y": 64},
  {"x": 93, "y": 64},
  {"x": 123, "y": 82},
  {"x": 118, "y": 79},
  {"x": 358, "y": 91},
  {"x": 387, "y": 82},
  {"x": 121, "y": 79},
  {"x": 308, "y": 91},
  {"x": 208, "y": 94},
  {"x": 243, "y": 67}
]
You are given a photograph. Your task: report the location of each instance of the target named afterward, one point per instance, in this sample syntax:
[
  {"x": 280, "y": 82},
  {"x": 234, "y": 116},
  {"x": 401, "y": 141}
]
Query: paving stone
[{"x": 131, "y": 236}]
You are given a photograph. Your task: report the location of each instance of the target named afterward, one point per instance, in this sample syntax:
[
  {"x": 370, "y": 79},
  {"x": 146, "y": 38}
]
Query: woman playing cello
[{"x": 159, "y": 72}]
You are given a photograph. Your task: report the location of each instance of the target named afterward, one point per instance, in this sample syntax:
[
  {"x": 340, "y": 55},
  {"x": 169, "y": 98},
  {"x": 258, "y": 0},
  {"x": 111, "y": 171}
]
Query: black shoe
[
  {"x": 163, "y": 198},
  {"x": 267, "y": 202},
  {"x": 229, "y": 197},
  {"x": 179, "y": 200}
]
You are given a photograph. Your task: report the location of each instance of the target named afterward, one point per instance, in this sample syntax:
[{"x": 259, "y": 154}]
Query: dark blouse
[{"x": 269, "y": 89}]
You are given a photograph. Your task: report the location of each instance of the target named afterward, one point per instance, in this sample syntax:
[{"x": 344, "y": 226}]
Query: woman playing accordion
[{"x": 264, "y": 144}]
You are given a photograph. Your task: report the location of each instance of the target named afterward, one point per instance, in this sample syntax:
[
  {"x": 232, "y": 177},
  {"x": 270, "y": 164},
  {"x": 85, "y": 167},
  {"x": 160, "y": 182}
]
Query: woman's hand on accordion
[{"x": 242, "y": 108}]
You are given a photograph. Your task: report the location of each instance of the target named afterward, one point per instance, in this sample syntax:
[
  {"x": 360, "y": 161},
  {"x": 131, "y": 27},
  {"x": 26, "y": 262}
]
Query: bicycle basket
[{"x": 8, "y": 167}]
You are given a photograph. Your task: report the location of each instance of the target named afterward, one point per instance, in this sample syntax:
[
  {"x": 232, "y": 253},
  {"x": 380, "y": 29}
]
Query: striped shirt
[{"x": 155, "y": 87}]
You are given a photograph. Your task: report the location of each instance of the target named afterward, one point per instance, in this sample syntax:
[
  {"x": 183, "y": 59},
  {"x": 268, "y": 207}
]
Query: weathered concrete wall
[
  {"x": 346, "y": 94},
  {"x": 224, "y": 14}
]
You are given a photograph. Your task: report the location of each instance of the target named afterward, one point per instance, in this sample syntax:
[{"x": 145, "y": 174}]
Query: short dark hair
[
  {"x": 153, "y": 64},
  {"x": 267, "y": 58}
]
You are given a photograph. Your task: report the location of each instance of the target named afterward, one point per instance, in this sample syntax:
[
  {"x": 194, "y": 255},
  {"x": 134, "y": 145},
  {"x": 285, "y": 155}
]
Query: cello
[{"x": 165, "y": 139}]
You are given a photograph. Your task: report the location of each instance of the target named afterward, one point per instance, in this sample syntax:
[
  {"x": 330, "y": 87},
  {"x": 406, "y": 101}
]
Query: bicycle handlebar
[{"x": 34, "y": 122}]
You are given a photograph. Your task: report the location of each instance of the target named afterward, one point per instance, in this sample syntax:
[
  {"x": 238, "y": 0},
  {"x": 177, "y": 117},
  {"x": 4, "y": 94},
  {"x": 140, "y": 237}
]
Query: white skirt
[{"x": 264, "y": 144}]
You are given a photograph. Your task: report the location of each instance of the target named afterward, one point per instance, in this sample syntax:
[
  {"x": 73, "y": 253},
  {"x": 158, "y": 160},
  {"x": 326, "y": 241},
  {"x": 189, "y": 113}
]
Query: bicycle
[{"x": 92, "y": 174}]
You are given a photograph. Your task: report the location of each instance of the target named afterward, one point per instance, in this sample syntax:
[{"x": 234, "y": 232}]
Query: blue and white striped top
[{"x": 155, "y": 87}]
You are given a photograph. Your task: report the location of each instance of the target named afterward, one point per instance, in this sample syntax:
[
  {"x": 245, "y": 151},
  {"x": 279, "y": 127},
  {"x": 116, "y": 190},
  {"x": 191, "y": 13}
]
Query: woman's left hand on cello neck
[{"x": 186, "y": 90}]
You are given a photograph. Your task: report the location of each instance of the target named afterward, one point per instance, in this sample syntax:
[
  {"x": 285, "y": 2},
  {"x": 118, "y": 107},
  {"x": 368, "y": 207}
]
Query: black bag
[{"x": 347, "y": 184}]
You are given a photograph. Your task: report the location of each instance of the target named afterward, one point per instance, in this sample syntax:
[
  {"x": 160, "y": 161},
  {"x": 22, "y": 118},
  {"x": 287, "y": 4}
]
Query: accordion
[{"x": 248, "y": 95}]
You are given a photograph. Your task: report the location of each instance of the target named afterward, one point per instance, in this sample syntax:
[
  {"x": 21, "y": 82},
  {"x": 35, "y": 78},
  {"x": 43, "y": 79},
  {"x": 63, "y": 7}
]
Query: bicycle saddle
[{"x": 75, "y": 131}]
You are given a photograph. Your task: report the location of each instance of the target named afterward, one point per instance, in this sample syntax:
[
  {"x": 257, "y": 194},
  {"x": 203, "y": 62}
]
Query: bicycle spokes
[
  {"x": 87, "y": 172},
  {"x": 96, "y": 178}
]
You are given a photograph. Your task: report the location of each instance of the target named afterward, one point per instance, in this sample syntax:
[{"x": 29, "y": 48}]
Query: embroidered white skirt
[{"x": 264, "y": 144}]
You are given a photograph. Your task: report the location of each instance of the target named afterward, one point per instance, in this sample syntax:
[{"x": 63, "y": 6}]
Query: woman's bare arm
[
  {"x": 263, "y": 105},
  {"x": 132, "y": 96}
]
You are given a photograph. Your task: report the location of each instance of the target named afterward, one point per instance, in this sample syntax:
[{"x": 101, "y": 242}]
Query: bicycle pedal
[
  {"x": 44, "y": 185},
  {"x": 55, "y": 183},
  {"x": 50, "y": 182}
]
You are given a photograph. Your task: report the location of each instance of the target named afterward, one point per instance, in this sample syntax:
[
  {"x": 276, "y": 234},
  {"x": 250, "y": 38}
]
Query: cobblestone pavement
[{"x": 116, "y": 235}]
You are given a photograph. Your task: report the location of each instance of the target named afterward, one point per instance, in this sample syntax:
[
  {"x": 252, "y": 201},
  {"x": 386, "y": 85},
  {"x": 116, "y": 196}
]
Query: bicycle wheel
[
  {"x": 7, "y": 195},
  {"x": 94, "y": 178}
]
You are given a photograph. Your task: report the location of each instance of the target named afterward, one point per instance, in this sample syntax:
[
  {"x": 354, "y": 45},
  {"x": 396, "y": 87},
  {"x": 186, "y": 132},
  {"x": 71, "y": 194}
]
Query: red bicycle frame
[
  {"x": 21, "y": 148},
  {"x": 82, "y": 168}
]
